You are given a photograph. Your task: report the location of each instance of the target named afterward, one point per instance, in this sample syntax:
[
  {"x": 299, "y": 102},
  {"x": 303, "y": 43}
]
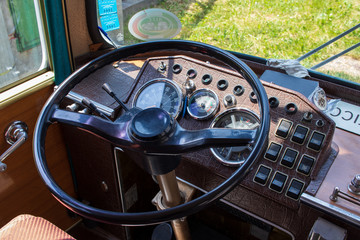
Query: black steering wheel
[{"x": 135, "y": 132}]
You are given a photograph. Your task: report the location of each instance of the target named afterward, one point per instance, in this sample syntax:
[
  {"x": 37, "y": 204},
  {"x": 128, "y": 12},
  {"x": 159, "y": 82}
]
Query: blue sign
[
  {"x": 107, "y": 7},
  {"x": 110, "y": 22}
]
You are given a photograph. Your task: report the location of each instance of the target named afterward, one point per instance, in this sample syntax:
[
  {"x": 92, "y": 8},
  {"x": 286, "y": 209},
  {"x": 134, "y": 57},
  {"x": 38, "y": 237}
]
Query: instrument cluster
[{"x": 199, "y": 97}]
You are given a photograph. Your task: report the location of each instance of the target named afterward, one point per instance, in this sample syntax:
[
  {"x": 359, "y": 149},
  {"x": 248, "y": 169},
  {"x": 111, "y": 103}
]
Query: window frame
[{"x": 55, "y": 46}]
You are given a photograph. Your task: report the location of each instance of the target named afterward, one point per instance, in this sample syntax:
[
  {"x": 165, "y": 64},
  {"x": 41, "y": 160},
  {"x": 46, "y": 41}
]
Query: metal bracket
[{"x": 337, "y": 193}]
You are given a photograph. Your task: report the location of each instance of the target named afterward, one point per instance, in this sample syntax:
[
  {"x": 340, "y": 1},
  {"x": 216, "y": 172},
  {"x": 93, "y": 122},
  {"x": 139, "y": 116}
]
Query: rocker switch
[
  {"x": 273, "y": 151},
  {"x": 299, "y": 134},
  {"x": 305, "y": 165},
  {"x": 284, "y": 128},
  {"x": 316, "y": 141},
  {"x": 289, "y": 158},
  {"x": 278, "y": 182},
  {"x": 262, "y": 175},
  {"x": 295, "y": 189}
]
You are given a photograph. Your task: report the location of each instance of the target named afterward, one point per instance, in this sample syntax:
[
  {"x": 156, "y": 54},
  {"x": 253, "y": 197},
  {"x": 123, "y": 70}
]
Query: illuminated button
[
  {"x": 273, "y": 151},
  {"x": 295, "y": 189},
  {"x": 305, "y": 165},
  {"x": 289, "y": 158},
  {"x": 316, "y": 141},
  {"x": 262, "y": 175},
  {"x": 284, "y": 128},
  {"x": 299, "y": 134},
  {"x": 278, "y": 182}
]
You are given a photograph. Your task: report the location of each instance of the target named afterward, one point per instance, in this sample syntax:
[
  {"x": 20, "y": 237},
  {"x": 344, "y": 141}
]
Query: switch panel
[{"x": 273, "y": 151}]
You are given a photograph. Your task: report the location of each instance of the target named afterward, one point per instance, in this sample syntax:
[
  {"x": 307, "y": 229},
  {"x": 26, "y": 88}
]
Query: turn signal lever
[{"x": 15, "y": 135}]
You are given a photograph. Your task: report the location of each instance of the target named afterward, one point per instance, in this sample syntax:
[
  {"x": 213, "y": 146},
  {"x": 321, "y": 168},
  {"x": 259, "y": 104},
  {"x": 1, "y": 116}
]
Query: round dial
[
  {"x": 203, "y": 104},
  {"x": 160, "y": 93},
  {"x": 239, "y": 119}
]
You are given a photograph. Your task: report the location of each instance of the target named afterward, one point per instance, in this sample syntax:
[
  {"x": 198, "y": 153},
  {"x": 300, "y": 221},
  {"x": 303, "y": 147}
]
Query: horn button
[{"x": 152, "y": 124}]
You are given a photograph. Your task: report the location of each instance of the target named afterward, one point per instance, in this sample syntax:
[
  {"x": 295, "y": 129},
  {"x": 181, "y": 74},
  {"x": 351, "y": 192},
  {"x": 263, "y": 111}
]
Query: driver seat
[{"x": 29, "y": 227}]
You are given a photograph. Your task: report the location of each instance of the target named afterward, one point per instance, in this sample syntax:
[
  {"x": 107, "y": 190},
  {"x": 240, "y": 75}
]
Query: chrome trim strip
[
  {"x": 331, "y": 209},
  {"x": 78, "y": 98},
  {"x": 240, "y": 209},
  {"x": 121, "y": 190}
]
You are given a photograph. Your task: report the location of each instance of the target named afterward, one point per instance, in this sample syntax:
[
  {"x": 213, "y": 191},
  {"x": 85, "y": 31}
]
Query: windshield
[{"x": 269, "y": 29}]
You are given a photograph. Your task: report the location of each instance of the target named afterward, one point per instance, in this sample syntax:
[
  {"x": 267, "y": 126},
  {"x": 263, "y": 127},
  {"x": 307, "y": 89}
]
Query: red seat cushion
[{"x": 28, "y": 227}]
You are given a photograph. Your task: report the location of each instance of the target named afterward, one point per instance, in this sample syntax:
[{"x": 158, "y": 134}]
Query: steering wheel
[{"x": 162, "y": 135}]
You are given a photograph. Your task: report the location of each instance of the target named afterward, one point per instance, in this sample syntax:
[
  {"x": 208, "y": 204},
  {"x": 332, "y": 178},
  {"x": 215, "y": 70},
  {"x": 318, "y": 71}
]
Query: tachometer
[
  {"x": 203, "y": 104},
  {"x": 161, "y": 93},
  {"x": 240, "y": 119}
]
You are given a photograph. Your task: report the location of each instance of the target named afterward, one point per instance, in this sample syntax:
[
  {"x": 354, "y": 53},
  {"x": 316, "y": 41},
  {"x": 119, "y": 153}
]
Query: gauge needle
[
  {"x": 233, "y": 121},
  {"x": 255, "y": 125}
]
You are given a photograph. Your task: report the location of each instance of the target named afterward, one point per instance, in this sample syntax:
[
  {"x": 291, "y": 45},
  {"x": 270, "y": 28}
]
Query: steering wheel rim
[{"x": 151, "y": 217}]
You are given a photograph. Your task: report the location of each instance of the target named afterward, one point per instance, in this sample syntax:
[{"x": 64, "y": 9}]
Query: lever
[
  {"x": 16, "y": 135},
  {"x": 92, "y": 106},
  {"x": 107, "y": 89}
]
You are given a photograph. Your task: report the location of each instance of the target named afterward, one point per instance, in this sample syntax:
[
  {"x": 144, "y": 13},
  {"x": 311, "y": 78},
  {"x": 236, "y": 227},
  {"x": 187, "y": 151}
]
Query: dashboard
[{"x": 202, "y": 94}]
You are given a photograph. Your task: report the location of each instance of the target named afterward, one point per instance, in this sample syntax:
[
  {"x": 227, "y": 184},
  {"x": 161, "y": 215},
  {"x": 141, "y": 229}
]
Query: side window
[{"x": 21, "y": 47}]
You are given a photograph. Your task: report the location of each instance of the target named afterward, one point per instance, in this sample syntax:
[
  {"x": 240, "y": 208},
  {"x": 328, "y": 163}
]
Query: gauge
[
  {"x": 161, "y": 93},
  {"x": 240, "y": 119},
  {"x": 203, "y": 104}
]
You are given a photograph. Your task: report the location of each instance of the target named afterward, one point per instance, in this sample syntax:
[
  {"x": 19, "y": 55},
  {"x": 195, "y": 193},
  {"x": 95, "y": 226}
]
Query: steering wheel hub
[{"x": 151, "y": 124}]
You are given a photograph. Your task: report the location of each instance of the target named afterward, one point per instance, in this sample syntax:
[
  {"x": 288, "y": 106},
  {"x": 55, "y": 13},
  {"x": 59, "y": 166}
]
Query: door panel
[{"x": 21, "y": 188}]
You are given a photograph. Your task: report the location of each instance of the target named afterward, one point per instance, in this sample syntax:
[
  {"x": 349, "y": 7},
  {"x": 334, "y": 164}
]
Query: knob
[
  {"x": 354, "y": 185},
  {"x": 229, "y": 100},
  {"x": 162, "y": 67},
  {"x": 3, "y": 167},
  {"x": 307, "y": 116}
]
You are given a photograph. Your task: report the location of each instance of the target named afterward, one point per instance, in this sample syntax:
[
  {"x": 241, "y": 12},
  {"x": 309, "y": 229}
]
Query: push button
[
  {"x": 278, "y": 182},
  {"x": 262, "y": 175},
  {"x": 273, "y": 151},
  {"x": 316, "y": 141},
  {"x": 305, "y": 165},
  {"x": 299, "y": 134},
  {"x": 289, "y": 158},
  {"x": 295, "y": 189},
  {"x": 283, "y": 128}
]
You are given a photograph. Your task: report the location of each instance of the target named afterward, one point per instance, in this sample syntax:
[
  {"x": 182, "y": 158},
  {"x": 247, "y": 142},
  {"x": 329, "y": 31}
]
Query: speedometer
[
  {"x": 237, "y": 118},
  {"x": 161, "y": 93}
]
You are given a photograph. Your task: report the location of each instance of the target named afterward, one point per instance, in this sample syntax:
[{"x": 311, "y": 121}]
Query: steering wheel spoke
[
  {"x": 115, "y": 132},
  {"x": 186, "y": 141}
]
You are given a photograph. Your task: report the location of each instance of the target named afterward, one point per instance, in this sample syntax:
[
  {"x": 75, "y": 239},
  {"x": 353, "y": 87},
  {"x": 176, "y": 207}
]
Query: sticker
[
  {"x": 110, "y": 22},
  {"x": 107, "y": 7},
  {"x": 346, "y": 116},
  {"x": 154, "y": 23},
  {"x": 131, "y": 197}
]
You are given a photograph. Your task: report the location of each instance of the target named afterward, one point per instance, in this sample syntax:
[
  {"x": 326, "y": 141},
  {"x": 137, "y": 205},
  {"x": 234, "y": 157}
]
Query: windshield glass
[{"x": 269, "y": 29}]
